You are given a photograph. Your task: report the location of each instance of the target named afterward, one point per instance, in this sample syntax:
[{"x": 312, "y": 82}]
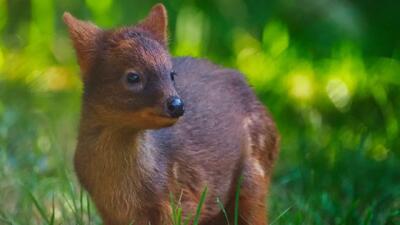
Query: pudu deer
[{"x": 152, "y": 125}]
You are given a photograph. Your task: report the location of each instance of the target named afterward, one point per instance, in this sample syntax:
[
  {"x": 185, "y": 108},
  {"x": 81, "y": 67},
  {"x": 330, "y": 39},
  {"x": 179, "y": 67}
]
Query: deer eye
[{"x": 132, "y": 78}]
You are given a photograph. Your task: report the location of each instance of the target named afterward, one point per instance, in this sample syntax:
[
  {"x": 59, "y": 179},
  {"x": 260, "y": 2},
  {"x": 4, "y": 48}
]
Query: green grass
[
  {"x": 354, "y": 190},
  {"x": 177, "y": 216}
]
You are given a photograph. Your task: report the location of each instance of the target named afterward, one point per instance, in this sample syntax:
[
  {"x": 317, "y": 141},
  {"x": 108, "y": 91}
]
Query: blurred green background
[{"x": 329, "y": 70}]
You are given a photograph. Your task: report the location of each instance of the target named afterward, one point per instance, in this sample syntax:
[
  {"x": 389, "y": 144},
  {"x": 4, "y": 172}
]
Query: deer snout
[{"x": 175, "y": 106}]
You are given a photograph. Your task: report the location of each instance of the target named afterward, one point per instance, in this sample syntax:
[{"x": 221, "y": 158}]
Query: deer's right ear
[{"x": 83, "y": 35}]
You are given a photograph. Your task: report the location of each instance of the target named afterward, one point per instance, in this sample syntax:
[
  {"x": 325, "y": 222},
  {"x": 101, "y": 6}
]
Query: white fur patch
[
  {"x": 175, "y": 170},
  {"x": 258, "y": 168},
  {"x": 246, "y": 125},
  {"x": 260, "y": 143},
  {"x": 146, "y": 152}
]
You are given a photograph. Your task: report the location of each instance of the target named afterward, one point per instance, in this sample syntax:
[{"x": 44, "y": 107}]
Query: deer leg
[{"x": 252, "y": 198}]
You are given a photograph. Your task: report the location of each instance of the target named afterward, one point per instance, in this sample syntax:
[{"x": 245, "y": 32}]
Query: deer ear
[
  {"x": 156, "y": 23},
  {"x": 83, "y": 35}
]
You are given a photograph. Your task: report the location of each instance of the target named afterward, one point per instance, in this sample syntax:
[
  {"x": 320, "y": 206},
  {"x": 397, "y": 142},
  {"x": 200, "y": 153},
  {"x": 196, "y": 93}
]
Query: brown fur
[{"x": 131, "y": 155}]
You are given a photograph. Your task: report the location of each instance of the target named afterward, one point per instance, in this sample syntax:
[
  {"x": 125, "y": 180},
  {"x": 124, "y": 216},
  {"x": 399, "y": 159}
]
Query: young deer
[{"x": 138, "y": 142}]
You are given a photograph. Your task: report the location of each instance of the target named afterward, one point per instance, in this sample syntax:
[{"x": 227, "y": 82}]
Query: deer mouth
[{"x": 163, "y": 117}]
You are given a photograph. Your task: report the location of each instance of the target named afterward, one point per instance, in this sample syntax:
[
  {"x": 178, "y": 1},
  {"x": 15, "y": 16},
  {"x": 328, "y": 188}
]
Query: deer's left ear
[{"x": 156, "y": 23}]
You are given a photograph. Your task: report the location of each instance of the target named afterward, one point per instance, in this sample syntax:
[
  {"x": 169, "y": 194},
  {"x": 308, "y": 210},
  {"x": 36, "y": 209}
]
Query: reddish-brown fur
[{"x": 131, "y": 155}]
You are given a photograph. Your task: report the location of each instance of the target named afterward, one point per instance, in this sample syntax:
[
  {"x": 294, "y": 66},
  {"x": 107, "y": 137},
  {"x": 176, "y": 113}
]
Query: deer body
[{"x": 130, "y": 157}]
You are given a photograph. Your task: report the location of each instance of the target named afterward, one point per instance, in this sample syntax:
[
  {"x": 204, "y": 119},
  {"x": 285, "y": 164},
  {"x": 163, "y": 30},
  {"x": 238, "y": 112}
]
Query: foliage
[{"x": 328, "y": 70}]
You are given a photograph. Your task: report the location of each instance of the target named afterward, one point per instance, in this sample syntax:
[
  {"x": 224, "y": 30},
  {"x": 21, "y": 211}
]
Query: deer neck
[{"x": 114, "y": 159}]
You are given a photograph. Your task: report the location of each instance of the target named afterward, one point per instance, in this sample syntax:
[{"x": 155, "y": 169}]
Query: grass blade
[
  {"x": 42, "y": 212},
  {"x": 280, "y": 215},
  {"x": 199, "y": 206},
  {"x": 175, "y": 210},
  {"x": 237, "y": 195},
  {"x": 52, "y": 211},
  {"x": 88, "y": 210},
  {"x": 221, "y": 206}
]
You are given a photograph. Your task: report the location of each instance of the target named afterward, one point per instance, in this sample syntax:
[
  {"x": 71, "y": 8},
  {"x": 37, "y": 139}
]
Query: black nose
[{"x": 175, "y": 107}]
